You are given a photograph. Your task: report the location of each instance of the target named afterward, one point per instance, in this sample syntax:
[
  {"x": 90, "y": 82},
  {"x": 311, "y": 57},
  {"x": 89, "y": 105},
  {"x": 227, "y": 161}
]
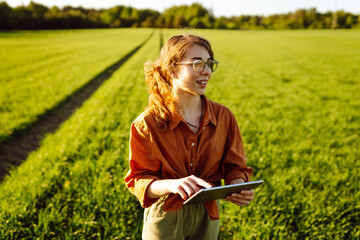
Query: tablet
[{"x": 209, "y": 194}]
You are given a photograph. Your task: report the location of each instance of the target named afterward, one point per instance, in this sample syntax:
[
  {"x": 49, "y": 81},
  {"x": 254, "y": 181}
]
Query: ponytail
[{"x": 161, "y": 101}]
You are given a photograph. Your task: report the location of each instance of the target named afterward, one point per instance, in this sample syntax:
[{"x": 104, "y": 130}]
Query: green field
[
  {"x": 295, "y": 95},
  {"x": 41, "y": 68}
]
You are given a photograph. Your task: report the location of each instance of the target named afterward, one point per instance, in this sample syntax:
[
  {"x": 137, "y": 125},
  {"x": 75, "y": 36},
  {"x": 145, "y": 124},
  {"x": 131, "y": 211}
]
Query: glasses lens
[
  {"x": 198, "y": 65},
  {"x": 212, "y": 65}
]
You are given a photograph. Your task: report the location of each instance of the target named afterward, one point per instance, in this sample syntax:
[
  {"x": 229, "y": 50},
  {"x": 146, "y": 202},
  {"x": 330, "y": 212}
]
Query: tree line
[{"x": 38, "y": 16}]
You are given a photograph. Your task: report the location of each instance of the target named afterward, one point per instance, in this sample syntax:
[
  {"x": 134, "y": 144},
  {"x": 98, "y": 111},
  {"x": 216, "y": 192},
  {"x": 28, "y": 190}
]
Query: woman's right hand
[
  {"x": 185, "y": 187},
  {"x": 188, "y": 186}
]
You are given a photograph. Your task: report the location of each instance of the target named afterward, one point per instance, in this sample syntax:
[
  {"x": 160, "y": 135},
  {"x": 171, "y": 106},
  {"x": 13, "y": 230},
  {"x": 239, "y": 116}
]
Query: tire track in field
[
  {"x": 161, "y": 39},
  {"x": 21, "y": 143}
]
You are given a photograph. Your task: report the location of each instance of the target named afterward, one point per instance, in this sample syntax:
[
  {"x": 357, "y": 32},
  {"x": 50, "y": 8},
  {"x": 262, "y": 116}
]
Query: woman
[{"x": 184, "y": 142}]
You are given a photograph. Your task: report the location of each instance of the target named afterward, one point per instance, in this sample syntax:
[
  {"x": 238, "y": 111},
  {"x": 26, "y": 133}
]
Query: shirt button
[
  {"x": 191, "y": 164},
  {"x": 192, "y": 144}
]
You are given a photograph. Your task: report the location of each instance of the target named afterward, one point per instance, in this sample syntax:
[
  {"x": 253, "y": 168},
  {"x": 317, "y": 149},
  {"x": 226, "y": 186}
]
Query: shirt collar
[
  {"x": 209, "y": 115},
  {"x": 176, "y": 119}
]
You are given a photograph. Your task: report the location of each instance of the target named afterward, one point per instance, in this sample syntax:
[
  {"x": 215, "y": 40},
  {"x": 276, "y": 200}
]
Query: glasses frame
[{"x": 208, "y": 62}]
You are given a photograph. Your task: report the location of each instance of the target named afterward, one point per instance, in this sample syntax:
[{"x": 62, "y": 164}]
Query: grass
[
  {"x": 295, "y": 96},
  {"x": 42, "y": 68},
  {"x": 72, "y": 186}
]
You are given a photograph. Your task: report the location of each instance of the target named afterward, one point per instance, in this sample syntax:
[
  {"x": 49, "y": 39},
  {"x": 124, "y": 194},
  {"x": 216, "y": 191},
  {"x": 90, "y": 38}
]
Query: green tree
[
  {"x": 221, "y": 23},
  {"x": 147, "y": 18},
  {"x": 296, "y": 20},
  {"x": 6, "y": 16},
  {"x": 38, "y": 12},
  {"x": 37, "y": 16},
  {"x": 23, "y": 18}
]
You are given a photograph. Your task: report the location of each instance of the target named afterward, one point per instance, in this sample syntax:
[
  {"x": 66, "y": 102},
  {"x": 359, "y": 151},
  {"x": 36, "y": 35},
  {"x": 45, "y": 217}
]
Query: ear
[{"x": 173, "y": 74}]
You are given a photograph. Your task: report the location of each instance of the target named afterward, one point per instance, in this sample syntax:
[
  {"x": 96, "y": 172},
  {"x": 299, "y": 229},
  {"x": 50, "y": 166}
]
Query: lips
[{"x": 202, "y": 83}]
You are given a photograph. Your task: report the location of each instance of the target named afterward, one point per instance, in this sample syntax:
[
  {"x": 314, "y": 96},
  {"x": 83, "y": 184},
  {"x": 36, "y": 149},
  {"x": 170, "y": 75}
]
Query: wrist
[
  {"x": 237, "y": 180},
  {"x": 159, "y": 188}
]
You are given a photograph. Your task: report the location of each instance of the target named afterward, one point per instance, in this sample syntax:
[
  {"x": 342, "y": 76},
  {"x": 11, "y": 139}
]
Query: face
[{"x": 185, "y": 79}]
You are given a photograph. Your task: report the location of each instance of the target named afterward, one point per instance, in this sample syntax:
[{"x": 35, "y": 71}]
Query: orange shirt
[{"x": 216, "y": 152}]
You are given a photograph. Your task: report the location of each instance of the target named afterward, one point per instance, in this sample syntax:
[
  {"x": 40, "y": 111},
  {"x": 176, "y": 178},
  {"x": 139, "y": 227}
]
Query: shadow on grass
[{"x": 16, "y": 148}]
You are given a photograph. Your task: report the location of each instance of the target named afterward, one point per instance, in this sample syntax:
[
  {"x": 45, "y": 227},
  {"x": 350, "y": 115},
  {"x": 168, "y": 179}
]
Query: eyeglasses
[{"x": 199, "y": 65}]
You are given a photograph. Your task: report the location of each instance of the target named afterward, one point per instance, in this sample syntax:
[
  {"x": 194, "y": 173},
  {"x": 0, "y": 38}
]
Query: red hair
[{"x": 157, "y": 76}]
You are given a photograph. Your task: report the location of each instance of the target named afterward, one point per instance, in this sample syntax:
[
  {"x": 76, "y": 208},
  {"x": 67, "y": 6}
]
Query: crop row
[{"x": 42, "y": 68}]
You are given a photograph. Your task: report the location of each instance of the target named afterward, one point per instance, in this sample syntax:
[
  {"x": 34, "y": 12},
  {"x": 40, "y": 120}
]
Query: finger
[
  {"x": 227, "y": 198},
  {"x": 244, "y": 195},
  {"x": 199, "y": 182},
  {"x": 247, "y": 192},
  {"x": 239, "y": 202},
  {"x": 184, "y": 188},
  {"x": 241, "y": 196},
  {"x": 194, "y": 182},
  {"x": 182, "y": 193},
  {"x": 185, "y": 191},
  {"x": 235, "y": 196},
  {"x": 189, "y": 189}
]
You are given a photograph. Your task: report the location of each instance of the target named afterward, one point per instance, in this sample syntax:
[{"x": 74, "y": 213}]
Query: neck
[{"x": 189, "y": 103}]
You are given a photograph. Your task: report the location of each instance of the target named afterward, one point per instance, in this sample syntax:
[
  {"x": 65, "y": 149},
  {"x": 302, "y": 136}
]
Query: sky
[{"x": 219, "y": 7}]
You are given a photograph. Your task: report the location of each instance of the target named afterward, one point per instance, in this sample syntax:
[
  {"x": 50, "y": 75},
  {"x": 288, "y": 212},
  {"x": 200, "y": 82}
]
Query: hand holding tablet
[{"x": 209, "y": 194}]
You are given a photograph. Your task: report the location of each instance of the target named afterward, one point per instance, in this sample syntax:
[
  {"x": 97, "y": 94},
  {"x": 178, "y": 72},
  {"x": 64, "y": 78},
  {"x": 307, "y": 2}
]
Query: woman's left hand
[{"x": 242, "y": 198}]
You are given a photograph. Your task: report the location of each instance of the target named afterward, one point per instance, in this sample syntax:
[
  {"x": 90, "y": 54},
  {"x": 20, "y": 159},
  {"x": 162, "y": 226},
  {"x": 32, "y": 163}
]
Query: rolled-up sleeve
[
  {"x": 144, "y": 163},
  {"x": 235, "y": 162}
]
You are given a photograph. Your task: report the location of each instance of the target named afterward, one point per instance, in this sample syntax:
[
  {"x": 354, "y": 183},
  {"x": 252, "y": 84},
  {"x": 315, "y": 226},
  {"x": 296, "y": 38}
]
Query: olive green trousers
[{"x": 191, "y": 222}]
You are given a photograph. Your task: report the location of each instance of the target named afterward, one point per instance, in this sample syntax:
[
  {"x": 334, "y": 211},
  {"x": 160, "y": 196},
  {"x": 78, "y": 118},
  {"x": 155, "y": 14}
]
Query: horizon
[{"x": 225, "y": 8}]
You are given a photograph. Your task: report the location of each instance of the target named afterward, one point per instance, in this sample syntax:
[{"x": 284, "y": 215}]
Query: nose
[{"x": 206, "y": 70}]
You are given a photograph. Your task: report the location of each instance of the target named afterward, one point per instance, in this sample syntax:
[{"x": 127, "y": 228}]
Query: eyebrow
[{"x": 199, "y": 58}]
